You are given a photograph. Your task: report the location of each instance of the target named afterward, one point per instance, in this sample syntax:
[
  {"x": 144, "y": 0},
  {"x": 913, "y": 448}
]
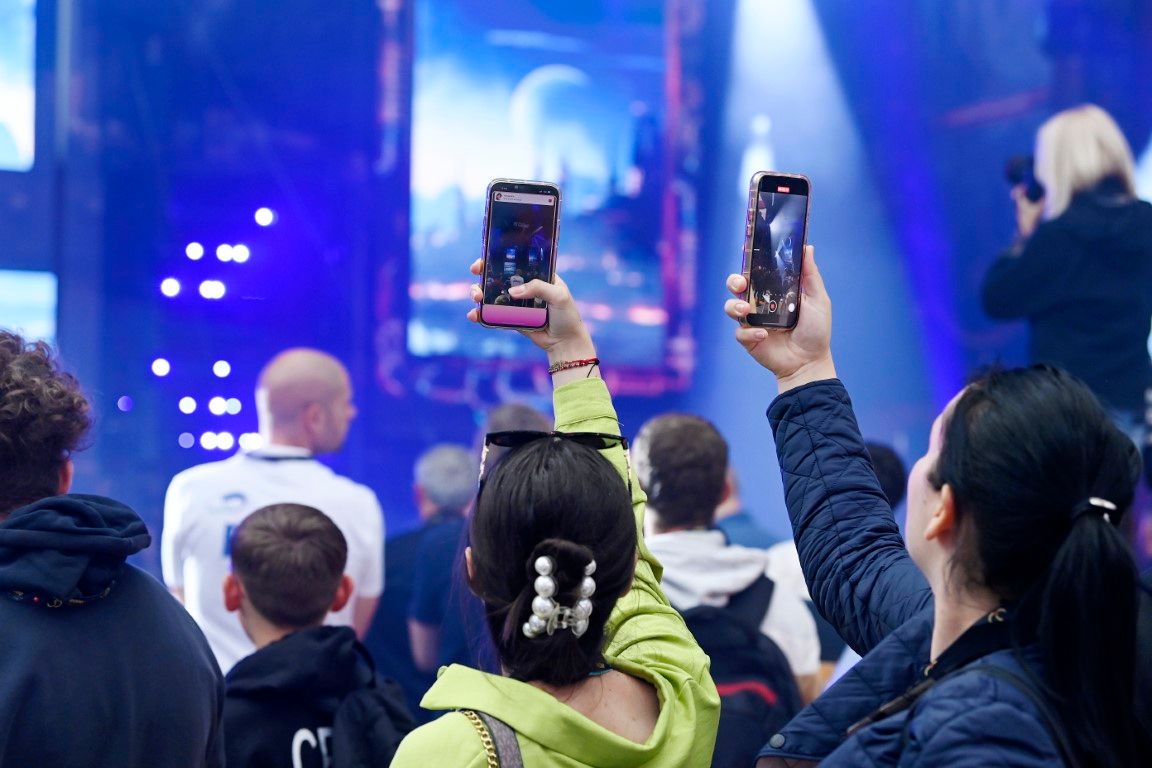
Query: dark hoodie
[
  {"x": 1084, "y": 281},
  {"x": 99, "y": 665},
  {"x": 282, "y": 703}
]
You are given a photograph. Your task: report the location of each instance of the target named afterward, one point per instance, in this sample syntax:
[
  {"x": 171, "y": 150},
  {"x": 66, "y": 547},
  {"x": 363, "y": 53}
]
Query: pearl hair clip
[{"x": 548, "y": 615}]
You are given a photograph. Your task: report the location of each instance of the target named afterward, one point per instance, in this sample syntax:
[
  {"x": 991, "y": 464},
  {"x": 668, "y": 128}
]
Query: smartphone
[
  {"x": 775, "y": 234},
  {"x": 520, "y": 227}
]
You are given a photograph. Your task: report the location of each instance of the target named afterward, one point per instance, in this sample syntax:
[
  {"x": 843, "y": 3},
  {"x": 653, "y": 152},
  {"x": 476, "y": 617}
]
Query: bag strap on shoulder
[
  {"x": 750, "y": 605},
  {"x": 499, "y": 740}
]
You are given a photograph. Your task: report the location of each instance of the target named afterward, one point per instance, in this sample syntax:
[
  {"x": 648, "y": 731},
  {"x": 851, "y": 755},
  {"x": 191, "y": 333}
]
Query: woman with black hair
[
  {"x": 1012, "y": 550},
  {"x": 598, "y": 668}
]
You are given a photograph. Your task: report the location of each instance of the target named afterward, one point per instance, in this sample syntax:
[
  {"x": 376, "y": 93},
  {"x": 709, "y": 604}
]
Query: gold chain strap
[{"x": 485, "y": 737}]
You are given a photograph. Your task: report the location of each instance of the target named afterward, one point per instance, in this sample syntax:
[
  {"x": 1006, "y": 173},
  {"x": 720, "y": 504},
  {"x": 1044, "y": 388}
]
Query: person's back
[
  {"x": 100, "y": 666},
  {"x": 598, "y": 669},
  {"x": 310, "y": 693},
  {"x": 682, "y": 463},
  {"x": 305, "y": 408}
]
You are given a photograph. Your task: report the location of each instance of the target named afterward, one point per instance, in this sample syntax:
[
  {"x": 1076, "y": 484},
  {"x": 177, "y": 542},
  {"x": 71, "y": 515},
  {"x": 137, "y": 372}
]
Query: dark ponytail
[
  {"x": 1023, "y": 451},
  {"x": 563, "y": 500}
]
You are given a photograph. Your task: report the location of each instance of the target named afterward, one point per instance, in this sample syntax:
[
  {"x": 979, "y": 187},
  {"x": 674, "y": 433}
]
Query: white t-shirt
[
  {"x": 205, "y": 503},
  {"x": 700, "y": 568}
]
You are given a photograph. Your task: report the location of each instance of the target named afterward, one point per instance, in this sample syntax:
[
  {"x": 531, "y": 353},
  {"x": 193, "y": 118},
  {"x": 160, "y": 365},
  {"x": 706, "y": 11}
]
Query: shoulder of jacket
[{"x": 448, "y": 740}]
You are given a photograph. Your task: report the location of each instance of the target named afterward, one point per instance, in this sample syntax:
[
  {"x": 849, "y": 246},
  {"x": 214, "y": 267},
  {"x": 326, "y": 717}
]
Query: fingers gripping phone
[
  {"x": 776, "y": 231},
  {"x": 521, "y": 222}
]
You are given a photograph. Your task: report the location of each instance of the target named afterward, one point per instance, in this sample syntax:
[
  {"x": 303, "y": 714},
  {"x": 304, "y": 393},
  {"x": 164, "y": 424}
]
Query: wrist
[
  {"x": 815, "y": 370},
  {"x": 571, "y": 349}
]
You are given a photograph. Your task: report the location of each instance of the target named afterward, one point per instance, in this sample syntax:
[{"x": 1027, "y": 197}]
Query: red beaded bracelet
[{"x": 565, "y": 365}]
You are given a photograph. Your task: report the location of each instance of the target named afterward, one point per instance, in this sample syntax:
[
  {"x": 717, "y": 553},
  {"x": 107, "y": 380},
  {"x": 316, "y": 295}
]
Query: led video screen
[
  {"x": 17, "y": 84},
  {"x": 28, "y": 303},
  {"x": 548, "y": 90}
]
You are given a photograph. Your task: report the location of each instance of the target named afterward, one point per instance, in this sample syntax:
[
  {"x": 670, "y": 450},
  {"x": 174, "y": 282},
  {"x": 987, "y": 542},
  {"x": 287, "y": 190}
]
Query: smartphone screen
[
  {"x": 520, "y": 246},
  {"x": 776, "y": 232}
]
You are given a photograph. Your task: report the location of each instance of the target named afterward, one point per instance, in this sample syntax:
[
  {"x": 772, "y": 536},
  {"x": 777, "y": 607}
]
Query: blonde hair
[{"x": 1077, "y": 149}]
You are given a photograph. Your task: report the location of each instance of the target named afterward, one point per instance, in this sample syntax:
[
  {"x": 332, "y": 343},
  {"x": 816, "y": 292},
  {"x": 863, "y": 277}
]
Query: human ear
[
  {"x": 233, "y": 593},
  {"x": 344, "y": 592},
  {"x": 942, "y": 521},
  {"x": 470, "y": 570}
]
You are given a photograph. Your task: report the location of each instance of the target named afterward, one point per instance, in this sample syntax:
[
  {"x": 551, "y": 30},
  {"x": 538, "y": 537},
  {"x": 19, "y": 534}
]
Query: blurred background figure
[
  {"x": 1080, "y": 270},
  {"x": 304, "y": 402},
  {"x": 735, "y": 521}
]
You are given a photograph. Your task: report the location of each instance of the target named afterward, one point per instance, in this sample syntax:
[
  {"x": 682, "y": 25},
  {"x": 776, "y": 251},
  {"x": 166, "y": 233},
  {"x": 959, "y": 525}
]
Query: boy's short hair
[{"x": 289, "y": 559}]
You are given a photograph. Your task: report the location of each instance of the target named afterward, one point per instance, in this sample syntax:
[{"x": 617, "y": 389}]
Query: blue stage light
[
  {"x": 217, "y": 406},
  {"x": 209, "y": 441},
  {"x": 187, "y": 405},
  {"x": 265, "y": 217},
  {"x": 221, "y": 368},
  {"x": 170, "y": 287},
  {"x": 233, "y": 406},
  {"x": 186, "y": 440},
  {"x": 194, "y": 251},
  {"x": 161, "y": 367},
  {"x": 224, "y": 252},
  {"x": 125, "y": 403},
  {"x": 240, "y": 253},
  {"x": 225, "y": 441}
]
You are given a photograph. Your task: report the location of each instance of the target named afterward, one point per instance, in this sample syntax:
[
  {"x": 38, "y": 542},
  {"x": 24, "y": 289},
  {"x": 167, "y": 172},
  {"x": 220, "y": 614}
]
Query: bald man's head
[{"x": 304, "y": 398}]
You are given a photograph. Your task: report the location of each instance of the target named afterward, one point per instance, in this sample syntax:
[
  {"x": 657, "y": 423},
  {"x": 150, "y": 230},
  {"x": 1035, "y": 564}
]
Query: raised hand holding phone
[
  {"x": 799, "y": 355},
  {"x": 565, "y": 338},
  {"x": 521, "y": 223}
]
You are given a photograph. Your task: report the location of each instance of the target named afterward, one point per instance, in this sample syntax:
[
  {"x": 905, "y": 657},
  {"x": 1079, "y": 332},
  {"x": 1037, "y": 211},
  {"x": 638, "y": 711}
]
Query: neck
[
  {"x": 263, "y": 632},
  {"x": 286, "y": 437},
  {"x": 956, "y": 611}
]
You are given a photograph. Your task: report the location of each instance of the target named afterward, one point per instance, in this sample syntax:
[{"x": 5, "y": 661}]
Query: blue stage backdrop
[{"x": 215, "y": 180}]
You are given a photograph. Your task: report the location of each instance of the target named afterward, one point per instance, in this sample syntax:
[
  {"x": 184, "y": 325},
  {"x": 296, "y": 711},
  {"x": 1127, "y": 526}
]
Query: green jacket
[{"x": 647, "y": 639}]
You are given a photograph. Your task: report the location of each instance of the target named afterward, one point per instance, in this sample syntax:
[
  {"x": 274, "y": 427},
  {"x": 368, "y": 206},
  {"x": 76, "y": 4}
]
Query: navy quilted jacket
[{"x": 864, "y": 582}]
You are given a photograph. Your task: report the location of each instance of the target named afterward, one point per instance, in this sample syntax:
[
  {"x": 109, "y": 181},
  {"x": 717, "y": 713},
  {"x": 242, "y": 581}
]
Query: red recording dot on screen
[{"x": 785, "y": 190}]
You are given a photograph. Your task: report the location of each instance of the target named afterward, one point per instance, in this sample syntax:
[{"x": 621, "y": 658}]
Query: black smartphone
[
  {"x": 521, "y": 222},
  {"x": 775, "y": 234}
]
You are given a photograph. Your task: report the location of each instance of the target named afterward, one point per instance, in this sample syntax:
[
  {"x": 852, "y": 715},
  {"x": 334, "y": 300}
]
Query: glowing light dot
[
  {"x": 170, "y": 287},
  {"x": 194, "y": 251},
  {"x": 125, "y": 404},
  {"x": 232, "y": 406},
  {"x": 161, "y": 367},
  {"x": 265, "y": 217},
  {"x": 224, "y": 252},
  {"x": 240, "y": 253},
  {"x": 187, "y": 405},
  {"x": 225, "y": 441},
  {"x": 186, "y": 440},
  {"x": 212, "y": 289},
  {"x": 251, "y": 441},
  {"x": 221, "y": 368},
  {"x": 217, "y": 406},
  {"x": 208, "y": 441}
]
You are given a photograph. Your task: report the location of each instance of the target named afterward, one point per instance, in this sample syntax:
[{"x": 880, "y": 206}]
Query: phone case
[{"x": 552, "y": 261}]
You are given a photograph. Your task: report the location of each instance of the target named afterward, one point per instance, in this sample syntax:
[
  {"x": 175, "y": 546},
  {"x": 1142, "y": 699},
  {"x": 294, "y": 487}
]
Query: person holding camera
[{"x": 1080, "y": 270}]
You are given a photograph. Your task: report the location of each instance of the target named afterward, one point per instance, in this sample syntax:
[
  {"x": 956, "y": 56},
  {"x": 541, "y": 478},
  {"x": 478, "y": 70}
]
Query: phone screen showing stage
[
  {"x": 521, "y": 248},
  {"x": 778, "y": 224}
]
